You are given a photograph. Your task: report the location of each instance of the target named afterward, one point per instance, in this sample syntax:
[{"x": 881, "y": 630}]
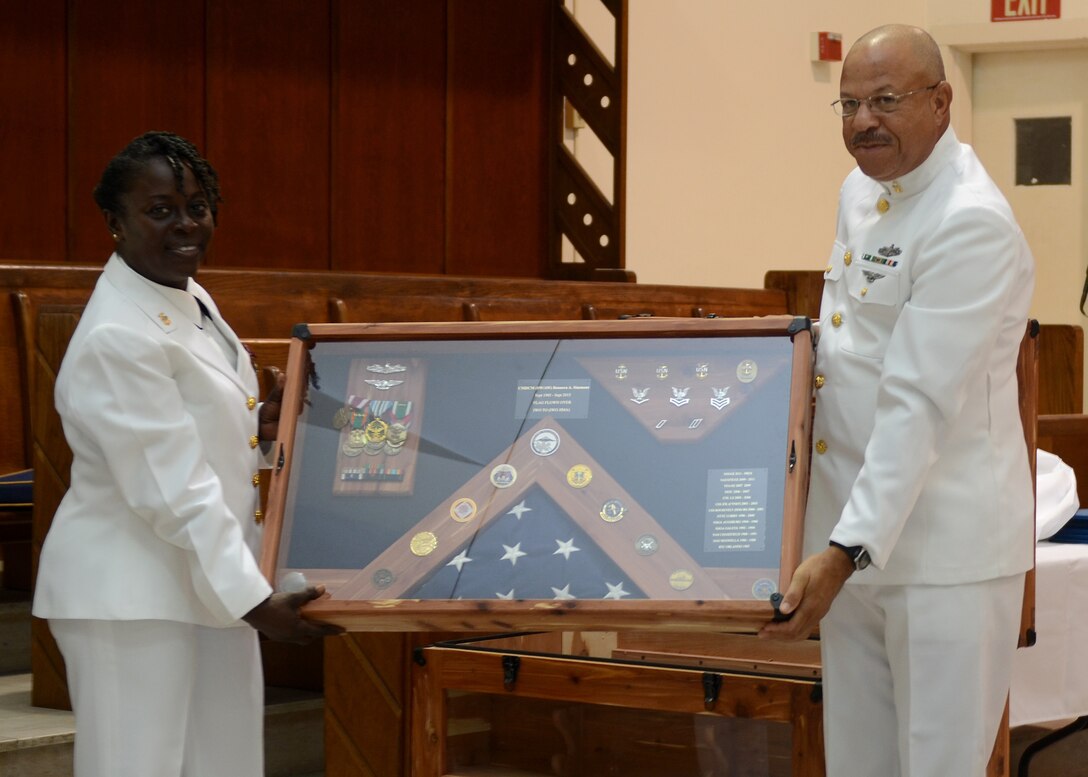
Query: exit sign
[{"x": 1024, "y": 10}]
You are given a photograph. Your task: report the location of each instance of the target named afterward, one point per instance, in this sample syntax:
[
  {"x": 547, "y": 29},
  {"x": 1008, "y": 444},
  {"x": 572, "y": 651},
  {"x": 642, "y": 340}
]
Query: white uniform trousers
[
  {"x": 916, "y": 677},
  {"x": 163, "y": 699}
]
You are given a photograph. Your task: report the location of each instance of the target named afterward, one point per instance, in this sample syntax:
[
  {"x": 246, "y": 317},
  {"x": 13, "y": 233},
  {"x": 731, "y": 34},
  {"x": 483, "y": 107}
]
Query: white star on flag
[
  {"x": 518, "y": 510},
  {"x": 459, "y": 560},
  {"x": 505, "y": 596},
  {"x": 513, "y": 554},
  {"x": 616, "y": 591},
  {"x": 563, "y": 593},
  {"x": 565, "y": 548}
]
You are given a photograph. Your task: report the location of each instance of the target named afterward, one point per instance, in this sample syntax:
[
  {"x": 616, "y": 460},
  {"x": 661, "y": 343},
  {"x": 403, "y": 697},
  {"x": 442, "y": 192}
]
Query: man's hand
[
  {"x": 814, "y": 586},
  {"x": 269, "y": 416},
  {"x": 278, "y": 619}
]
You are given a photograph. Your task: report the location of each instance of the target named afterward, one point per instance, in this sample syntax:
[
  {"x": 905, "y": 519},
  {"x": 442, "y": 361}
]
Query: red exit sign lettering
[{"x": 1024, "y": 10}]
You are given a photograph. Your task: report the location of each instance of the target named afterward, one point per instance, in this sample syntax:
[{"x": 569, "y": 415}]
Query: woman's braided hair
[{"x": 178, "y": 152}]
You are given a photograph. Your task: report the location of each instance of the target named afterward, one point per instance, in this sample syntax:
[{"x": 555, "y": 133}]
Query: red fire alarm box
[{"x": 826, "y": 47}]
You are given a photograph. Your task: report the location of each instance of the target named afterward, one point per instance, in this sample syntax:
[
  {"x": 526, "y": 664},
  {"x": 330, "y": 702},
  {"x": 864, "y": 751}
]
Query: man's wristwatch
[{"x": 857, "y": 554}]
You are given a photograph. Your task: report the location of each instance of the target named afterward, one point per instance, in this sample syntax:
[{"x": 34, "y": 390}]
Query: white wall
[{"x": 734, "y": 157}]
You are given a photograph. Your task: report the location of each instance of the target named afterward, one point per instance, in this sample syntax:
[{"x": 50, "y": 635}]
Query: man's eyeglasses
[{"x": 878, "y": 103}]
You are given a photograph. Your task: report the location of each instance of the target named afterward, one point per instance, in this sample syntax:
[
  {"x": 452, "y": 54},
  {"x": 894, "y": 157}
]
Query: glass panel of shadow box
[{"x": 495, "y": 476}]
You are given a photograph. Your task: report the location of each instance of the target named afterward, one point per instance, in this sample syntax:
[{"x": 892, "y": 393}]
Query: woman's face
[{"x": 162, "y": 233}]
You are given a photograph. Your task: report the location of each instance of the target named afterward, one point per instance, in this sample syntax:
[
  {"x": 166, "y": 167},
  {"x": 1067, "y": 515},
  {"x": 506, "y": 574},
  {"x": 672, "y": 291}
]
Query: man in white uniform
[{"x": 920, "y": 476}]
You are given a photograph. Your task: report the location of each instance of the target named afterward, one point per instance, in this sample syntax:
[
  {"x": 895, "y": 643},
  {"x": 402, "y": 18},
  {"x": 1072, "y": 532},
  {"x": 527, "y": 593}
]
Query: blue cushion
[
  {"x": 17, "y": 490},
  {"x": 1076, "y": 531}
]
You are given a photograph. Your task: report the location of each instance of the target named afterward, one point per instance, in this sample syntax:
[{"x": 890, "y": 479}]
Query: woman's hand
[
  {"x": 268, "y": 418},
  {"x": 277, "y": 617}
]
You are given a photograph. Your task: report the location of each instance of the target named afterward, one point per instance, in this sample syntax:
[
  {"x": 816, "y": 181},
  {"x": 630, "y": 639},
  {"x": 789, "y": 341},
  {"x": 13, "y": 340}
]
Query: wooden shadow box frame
[{"x": 496, "y": 476}]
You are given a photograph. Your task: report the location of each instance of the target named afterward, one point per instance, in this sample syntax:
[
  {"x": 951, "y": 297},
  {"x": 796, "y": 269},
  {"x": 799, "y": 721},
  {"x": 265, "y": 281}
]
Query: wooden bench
[{"x": 263, "y": 304}]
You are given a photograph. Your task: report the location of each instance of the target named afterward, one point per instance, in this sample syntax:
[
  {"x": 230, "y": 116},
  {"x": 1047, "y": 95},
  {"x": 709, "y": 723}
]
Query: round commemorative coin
[
  {"x": 612, "y": 511},
  {"x": 424, "y": 543},
  {"x": 503, "y": 476},
  {"x": 681, "y": 579},
  {"x": 747, "y": 371},
  {"x": 463, "y": 510},
  {"x": 383, "y": 578},
  {"x": 646, "y": 545},
  {"x": 579, "y": 476},
  {"x": 763, "y": 588},
  {"x": 545, "y": 442}
]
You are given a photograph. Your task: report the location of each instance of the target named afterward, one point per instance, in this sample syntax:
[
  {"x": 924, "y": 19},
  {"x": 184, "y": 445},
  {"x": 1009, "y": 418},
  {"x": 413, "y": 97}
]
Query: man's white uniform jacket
[
  {"x": 919, "y": 452},
  {"x": 159, "y": 522}
]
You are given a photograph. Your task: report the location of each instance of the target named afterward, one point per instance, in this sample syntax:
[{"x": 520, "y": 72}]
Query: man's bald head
[{"x": 918, "y": 43}]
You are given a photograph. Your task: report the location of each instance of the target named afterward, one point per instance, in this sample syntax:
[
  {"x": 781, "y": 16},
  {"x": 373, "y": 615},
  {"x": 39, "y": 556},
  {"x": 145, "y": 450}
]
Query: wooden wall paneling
[
  {"x": 497, "y": 164},
  {"x": 366, "y": 678},
  {"x": 268, "y": 131},
  {"x": 1061, "y": 365},
  {"x": 389, "y": 135},
  {"x": 131, "y": 68},
  {"x": 32, "y": 155},
  {"x": 46, "y": 343}
]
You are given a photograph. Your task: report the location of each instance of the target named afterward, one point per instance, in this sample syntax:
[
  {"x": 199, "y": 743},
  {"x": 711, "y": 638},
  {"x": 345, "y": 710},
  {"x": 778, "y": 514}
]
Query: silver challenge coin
[{"x": 545, "y": 442}]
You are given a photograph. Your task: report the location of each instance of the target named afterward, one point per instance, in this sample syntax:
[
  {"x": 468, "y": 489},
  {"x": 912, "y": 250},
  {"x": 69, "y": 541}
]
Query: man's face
[{"x": 890, "y": 145}]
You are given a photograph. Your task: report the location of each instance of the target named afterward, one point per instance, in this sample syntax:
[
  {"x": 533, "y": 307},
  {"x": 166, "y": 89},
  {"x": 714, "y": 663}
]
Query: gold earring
[{"x": 116, "y": 237}]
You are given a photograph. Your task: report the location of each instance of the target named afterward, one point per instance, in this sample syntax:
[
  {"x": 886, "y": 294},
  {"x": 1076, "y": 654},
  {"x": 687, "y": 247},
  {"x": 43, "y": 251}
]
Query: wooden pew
[{"x": 262, "y": 303}]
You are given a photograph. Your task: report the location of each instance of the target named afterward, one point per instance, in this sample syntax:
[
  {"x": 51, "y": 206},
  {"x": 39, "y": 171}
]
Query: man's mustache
[{"x": 869, "y": 139}]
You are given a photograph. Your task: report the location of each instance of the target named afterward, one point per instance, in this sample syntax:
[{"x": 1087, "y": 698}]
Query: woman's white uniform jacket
[
  {"x": 919, "y": 452},
  {"x": 159, "y": 521}
]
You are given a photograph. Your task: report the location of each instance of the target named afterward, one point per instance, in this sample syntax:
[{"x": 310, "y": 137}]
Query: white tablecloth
[{"x": 1050, "y": 680}]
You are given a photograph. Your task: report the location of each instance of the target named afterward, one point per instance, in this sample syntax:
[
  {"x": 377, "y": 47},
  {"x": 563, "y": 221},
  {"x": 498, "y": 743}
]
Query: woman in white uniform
[{"x": 148, "y": 575}]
